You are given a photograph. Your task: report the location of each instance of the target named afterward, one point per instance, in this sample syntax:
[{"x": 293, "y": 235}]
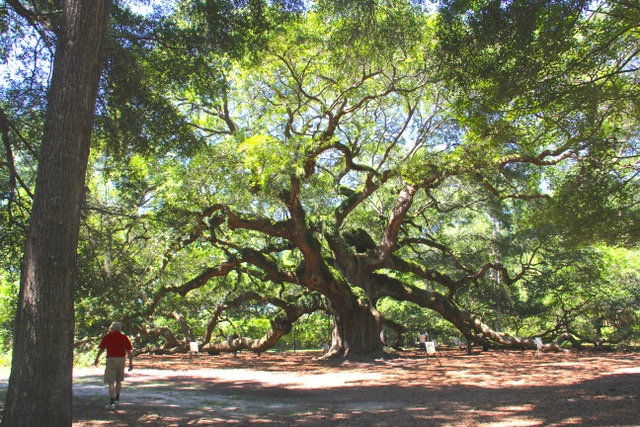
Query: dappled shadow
[{"x": 508, "y": 388}]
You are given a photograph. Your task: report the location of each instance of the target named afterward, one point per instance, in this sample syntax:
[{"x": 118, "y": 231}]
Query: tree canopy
[{"x": 356, "y": 166}]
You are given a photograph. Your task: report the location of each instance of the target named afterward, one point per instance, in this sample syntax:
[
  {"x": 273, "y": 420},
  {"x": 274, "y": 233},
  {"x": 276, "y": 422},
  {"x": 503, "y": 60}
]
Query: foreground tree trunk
[{"x": 40, "y": 385}]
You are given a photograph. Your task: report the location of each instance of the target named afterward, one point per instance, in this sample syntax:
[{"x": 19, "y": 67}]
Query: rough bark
[
  {"x": 43, "y": 346},
  {"x": 361, "y": 330}
]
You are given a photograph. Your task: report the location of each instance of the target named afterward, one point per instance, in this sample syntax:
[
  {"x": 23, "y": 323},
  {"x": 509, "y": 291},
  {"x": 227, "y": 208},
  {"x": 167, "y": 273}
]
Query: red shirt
[{"x": 116, "y": 344}]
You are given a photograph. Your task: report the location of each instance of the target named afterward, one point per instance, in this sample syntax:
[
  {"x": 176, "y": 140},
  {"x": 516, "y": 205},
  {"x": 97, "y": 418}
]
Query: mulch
[{"x": 492, "y": 388}]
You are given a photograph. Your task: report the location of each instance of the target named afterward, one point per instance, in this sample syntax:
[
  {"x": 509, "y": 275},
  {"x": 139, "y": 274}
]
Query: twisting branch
[
  {"x": 355, "y": 198},
  {"x": 280, "y": 326},
  {"x": 389, "y": 240},
  {"x": 201, "y": 279},
  {"x": 292, "y": 310},
  {"x": 264, "y": 225}
]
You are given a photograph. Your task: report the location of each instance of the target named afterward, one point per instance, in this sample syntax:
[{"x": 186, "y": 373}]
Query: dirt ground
[{"x": 493, "y": 388}]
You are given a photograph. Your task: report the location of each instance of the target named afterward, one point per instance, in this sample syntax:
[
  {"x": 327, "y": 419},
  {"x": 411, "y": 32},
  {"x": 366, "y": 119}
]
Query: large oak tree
[
  {"x": 350, "y": 164},
  {"x": 349, "y": 158}
]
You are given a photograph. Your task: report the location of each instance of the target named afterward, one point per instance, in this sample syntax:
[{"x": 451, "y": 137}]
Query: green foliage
[
  {"x": 8, "y": 302},
  {"x": 132, "y": 95},
  {"x": 490, "y": 42},
  {"x": 371, "y": 30},
  {"x": 600, "y": 195},
  {"x": 236, "y": 27},
  {"x": 517, "y": 122},
  {"x": 268, "y": 159},
  {"x": 310, "y": 332}
]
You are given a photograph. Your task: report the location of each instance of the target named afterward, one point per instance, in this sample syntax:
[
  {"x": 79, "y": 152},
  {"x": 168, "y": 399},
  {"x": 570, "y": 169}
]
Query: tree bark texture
[
  {"x": 40, "y": 385},
  {"x": 361, "y": 333}
]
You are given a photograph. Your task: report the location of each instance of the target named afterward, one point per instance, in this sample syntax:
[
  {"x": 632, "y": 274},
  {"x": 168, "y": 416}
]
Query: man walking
[{"x": 118, "y": 346}]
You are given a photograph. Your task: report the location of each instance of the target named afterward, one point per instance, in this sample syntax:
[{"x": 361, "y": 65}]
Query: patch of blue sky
[
  {"x": 150, "y": 7},
  {"x": 25, "y": 55}
]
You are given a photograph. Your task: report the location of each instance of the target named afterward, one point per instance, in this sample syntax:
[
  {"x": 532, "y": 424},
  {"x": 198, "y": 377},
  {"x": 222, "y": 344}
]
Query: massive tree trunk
[
  {"x": 357, "y": 332},
  {"x": 40, "y": 386}
]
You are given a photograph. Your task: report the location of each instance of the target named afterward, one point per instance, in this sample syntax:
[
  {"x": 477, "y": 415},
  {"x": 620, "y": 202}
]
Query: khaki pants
[{"x": 114, "y": 371}]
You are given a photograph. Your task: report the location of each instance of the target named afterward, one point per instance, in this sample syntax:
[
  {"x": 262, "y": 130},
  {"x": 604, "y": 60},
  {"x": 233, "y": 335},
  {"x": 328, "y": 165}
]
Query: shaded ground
[{"x": 493, "y": 388}]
